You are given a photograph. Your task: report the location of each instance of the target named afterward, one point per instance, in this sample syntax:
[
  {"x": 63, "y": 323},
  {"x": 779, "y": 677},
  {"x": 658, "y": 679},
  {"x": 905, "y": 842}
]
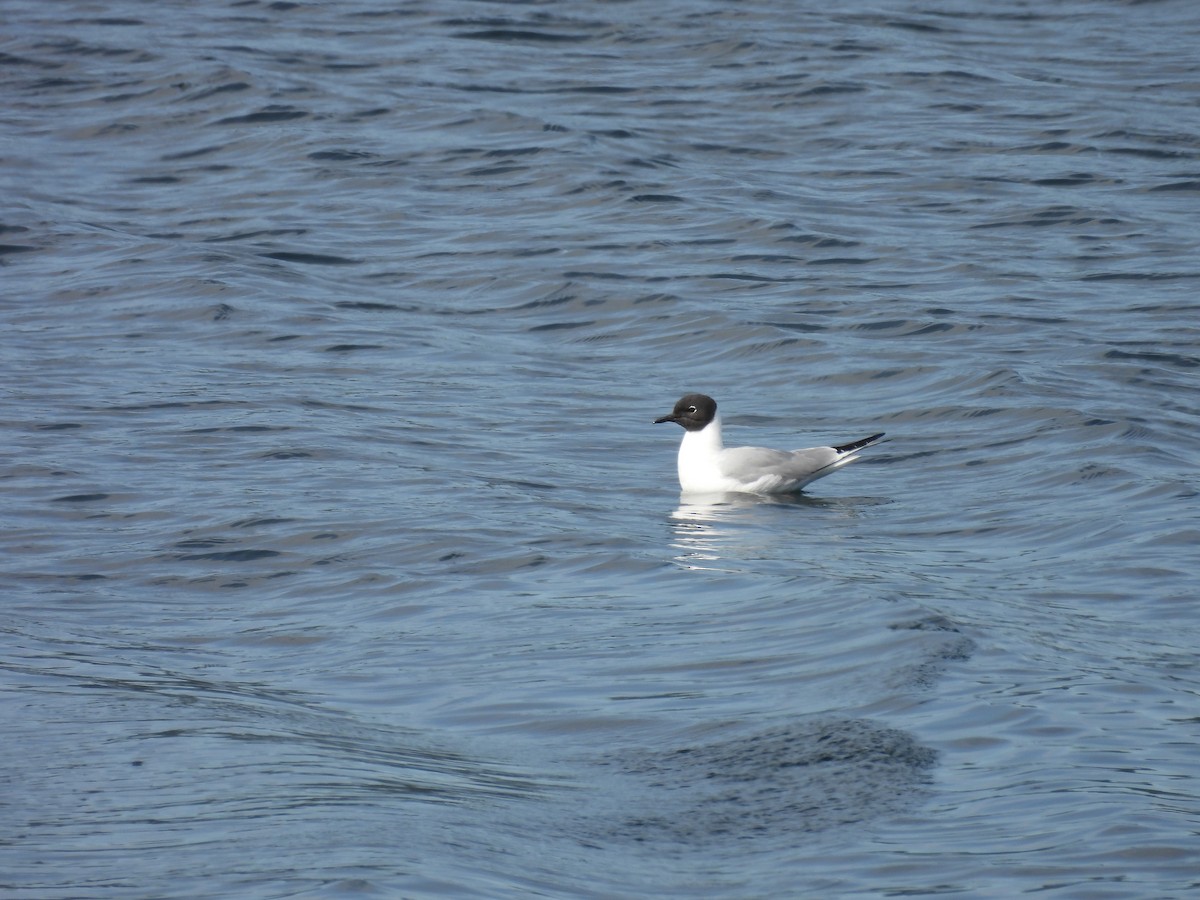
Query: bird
[{"x": 707, "y": 466}]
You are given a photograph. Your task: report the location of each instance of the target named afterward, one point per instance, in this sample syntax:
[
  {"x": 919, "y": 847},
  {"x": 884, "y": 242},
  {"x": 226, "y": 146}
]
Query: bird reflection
[{"x": 711, "y": 527}]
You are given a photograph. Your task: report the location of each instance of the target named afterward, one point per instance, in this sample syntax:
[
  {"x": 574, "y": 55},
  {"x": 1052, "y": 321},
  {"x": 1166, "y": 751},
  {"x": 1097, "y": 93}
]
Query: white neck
[{"x": 698, "y": 454}]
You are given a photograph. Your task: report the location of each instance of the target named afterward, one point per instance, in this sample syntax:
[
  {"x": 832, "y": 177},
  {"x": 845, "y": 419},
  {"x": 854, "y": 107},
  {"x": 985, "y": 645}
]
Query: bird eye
[{"x": 691, "y": 409}]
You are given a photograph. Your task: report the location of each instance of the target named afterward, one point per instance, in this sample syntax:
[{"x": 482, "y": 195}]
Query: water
[{"x": 341, "y": 557}]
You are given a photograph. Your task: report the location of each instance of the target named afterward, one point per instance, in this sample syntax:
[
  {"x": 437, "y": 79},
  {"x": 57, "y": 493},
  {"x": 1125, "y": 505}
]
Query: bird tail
[{"x": 858, "y": 445}]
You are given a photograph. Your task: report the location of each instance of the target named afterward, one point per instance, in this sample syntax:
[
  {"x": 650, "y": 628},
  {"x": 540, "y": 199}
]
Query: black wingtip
[{"x": 858, "y": 445}]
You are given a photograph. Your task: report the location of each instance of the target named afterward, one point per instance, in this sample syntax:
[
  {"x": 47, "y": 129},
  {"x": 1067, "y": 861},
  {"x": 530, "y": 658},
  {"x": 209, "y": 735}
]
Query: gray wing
[
  {"x": 761, "y": 470},
  {"x": 808, "y": 463},
  {"x": 749, "y": 464}
]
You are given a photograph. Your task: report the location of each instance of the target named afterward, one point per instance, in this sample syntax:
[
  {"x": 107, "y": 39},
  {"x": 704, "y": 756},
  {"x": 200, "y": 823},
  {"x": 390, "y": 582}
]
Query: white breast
[{"x": 699, "y": 452}]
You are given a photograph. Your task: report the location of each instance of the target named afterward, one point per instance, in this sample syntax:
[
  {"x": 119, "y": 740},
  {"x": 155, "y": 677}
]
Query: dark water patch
[
  {"x": 490, "y": 171},
  {"x": 1174, "y": 360},
  {"x": 558, "y": 298},
  {"x": 311, "y": 259},
  {"x": 856, "y": 47},
  {"x": 110, "y": 21},
  {"x": 1141, "y": 276},
  {"x": 1168, "y": 307},
  {"x": 909, "y": 328},
  {"x": 1187, "y": 186},
  {"x": 766, "y": 257},
  {"x": 72, "y": 47},
  {"x": 231, "y": 555},
  {"x": 49, "y": 85},
  {"x": 80, "y": 498},
  {"x": 747, "y": 276},
  {"x": 748, "y": 349},
  {"x": 935, "y": 622},
  {"x": 327, "y": 404},
  {"x": 250, "y": 235},
  {"x": 177, "y": 404},
  {"x": 1154, "y": 153},
  {"x": 842, "y": 261},
  {"x": 618, "y": 133},
  {"x": 228, "y": 88},
  {"x": 802, "y": 327},
  {"x": 233, "y": 429},
  {"x": 1073, "y": 180},
  {"x": 374, "y": 306},
  {"x": 1010, "y": 318},
  {"x": 527, "y": 252},
  {"x": 935, "y": 656},
  {"x": 893, "y": 325},
  {"x": 1056, "y": 147},
  {"x": 584, "y": 275},
  {"x": 834, "y": 89},
  {"x": 265, "y": 116},
  {"x": 341, "y": 155},
  {"x": 562, "y": 326},
  {"x": 192, "y": 543},
  {"x": 913, "y": 25},
  {"x": 11, "y": 59},
  {"x": 819, "y": 240},
  {"x": 602, "y": 89},
  {"x": 522, "y": 36},
  {"x": 657, "y": 297},
  {"x": 756, "y": 152},
  {"x": 514, "y": 151},
  {"x": 807, "y": 777},
  {"x": 1051, "y": 216},
  {"x": 946, "y": 75},
  {"x": 10, "y": 249}
]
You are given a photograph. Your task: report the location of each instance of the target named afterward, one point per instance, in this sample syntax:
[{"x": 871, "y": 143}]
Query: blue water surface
[{"x": 341, "y": 557}]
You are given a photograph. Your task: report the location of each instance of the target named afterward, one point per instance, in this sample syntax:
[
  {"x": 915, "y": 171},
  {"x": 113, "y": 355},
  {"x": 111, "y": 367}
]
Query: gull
[{"x": 707, "y": 466}]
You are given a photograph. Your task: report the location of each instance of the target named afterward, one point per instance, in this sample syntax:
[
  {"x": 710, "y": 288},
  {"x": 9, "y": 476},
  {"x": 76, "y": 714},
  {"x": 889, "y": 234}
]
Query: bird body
[{"x": 707, "y": 466}]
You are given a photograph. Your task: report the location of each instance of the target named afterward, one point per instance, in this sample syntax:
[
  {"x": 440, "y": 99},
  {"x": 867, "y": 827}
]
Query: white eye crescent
[{"x": 691, "y": 409}]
